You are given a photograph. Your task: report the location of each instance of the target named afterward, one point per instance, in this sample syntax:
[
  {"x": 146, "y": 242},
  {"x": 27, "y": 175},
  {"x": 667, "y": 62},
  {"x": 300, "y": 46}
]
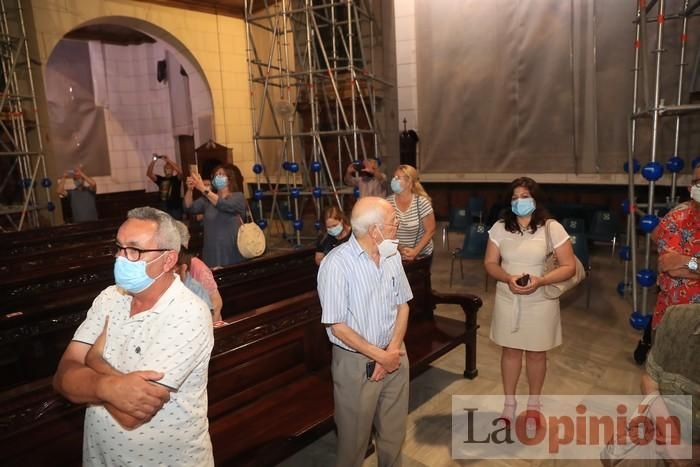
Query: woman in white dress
[{"x": 524, "y": 320}]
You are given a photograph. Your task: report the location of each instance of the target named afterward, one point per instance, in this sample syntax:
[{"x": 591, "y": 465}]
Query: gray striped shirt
[
  {"x": 411, "y": 228},
  {"x": 354, "y": 291}
]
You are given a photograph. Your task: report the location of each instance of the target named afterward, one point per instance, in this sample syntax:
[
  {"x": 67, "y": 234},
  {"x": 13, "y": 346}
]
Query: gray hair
[
  {"x": 361, "y": 221},
  {"x": 184, "y": 233},
  {"x": 167, "y": 235}
]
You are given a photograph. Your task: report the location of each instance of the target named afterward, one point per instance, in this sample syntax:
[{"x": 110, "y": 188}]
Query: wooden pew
[
  {"x": 50, "y": 238},
  {"x": 270, "y": 390},
  {"x": 38, "y": 316},
  {"x": 71, "y": 256}
]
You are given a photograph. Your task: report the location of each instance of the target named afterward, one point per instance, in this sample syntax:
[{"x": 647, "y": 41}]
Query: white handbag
[{"x": 251, "y": 239}]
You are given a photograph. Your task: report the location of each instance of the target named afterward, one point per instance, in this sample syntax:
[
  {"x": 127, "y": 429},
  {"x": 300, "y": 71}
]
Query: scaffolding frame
[
  {"x": 653, "y": 108},
  {"x": 20, "y": 128},
  {"x": 315, "y": 57}
]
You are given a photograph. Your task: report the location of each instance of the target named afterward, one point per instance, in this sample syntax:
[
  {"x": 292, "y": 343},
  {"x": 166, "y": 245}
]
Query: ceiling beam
[{"x": 233, "y": 8}]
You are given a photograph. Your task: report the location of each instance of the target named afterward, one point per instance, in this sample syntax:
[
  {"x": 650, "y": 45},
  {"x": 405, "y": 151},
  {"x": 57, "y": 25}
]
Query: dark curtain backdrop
[{"x": 539, "y": 86}]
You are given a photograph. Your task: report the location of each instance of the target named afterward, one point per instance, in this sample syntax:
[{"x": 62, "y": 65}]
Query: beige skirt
[{"x": 527, "y": 322}]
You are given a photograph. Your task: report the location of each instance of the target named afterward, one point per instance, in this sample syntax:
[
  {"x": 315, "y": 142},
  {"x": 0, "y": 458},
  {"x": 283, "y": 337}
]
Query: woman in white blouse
[{"x": 523, "y": 319}]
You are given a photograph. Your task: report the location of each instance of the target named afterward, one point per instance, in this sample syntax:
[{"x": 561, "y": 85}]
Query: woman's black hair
[{"x": 539, "y": 215}]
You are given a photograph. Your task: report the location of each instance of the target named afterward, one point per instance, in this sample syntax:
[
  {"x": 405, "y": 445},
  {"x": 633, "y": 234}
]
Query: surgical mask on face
[
  {"x": 522, "y": 206},
  {"x": 335, "y": 231},
  {"x": 220, "y": 181},
  {"x": 387, "y": 247},
  {"x": 131, "y": 275},
  {"x": 396, "y": 185},
  {"x": 695, "y": 193}
]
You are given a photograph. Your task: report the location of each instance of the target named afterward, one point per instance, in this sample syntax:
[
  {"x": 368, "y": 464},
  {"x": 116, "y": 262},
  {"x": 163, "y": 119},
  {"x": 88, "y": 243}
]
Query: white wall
[
  {"x": 138, "y": 111},
  {"x": 213, "y": 44},
  {"x": 137, "y": 114},
  {"x": 405, "y": 22}
]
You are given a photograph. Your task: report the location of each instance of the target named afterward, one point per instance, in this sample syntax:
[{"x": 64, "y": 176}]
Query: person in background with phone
[
  {"x": 364, "y": 296},
  {"x": 338, "y": 230},
  {"x": 523, "y": 319},
  {"x": 82, "y": 198},
  {"x": 168, "y": 185},
  {"x": 414, "y": 212},
  {"x": 223, "y": 209},
  {"x": 367, "y": 177}
]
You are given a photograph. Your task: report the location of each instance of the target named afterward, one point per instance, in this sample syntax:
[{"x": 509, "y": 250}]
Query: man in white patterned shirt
[
  {"x": 140, "y": 359},
  {"x": 364, "y": 293}
]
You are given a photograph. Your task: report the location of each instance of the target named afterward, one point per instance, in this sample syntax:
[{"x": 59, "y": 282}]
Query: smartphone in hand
[
  {"x": 523, "y": 281},
  {"x": 370, "y": 368}
]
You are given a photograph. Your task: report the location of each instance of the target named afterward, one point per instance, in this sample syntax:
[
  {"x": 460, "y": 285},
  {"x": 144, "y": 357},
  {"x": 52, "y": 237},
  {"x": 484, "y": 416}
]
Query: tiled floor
[{"x": 595, "y": 358}]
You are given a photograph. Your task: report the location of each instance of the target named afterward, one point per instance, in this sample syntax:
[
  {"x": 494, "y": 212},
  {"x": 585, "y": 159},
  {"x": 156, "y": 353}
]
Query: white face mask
[
  {"x": 695, "y": 193},
  {"x": 387, "y": 247}
]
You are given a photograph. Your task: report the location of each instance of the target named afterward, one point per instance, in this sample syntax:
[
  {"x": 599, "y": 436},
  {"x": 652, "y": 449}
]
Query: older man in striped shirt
[{"x": 364, "y": 293}]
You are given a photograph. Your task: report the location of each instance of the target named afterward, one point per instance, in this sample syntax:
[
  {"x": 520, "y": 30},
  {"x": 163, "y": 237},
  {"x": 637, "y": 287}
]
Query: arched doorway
[{"x": 119, "y": 90}]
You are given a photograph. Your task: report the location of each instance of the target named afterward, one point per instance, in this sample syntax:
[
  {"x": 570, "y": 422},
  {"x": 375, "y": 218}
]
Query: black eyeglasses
[
  {"x": 695, "y": 183},
  {"x": 132, "y": 253}
]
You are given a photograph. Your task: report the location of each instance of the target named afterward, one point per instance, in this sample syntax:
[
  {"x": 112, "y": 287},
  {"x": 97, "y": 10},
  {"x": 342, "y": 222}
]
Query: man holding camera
[
  {"x": 82, "y": 198},
  {"x": 168, "y": 185},
  {"x": 366, "y": 176}
]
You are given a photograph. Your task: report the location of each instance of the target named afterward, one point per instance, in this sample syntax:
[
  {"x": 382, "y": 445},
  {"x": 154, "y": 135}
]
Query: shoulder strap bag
[
  {"x": 556, "y": 290},
  {"x": 250, "y": 238}
]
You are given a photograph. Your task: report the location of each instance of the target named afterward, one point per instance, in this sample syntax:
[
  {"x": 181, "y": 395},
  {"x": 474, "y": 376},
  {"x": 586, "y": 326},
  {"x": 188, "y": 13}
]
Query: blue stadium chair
[
  {"x": 476, "y": 208},
  {"x": 574, "y": 225},
  {"x": 459, "y": 222},
  {"x": 579, "y": 242},
  {"x": 474, "y": 247},
  {"x": 603, "y": 229}
]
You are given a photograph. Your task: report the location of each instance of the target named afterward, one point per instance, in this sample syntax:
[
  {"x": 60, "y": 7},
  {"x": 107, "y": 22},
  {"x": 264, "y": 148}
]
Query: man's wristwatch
[
  {"x": 206, "y": 192},
  {"x": 693, "y": 264}
]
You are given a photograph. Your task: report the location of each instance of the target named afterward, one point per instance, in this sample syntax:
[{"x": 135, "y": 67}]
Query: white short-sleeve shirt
[{"x": 174, "y": 337}]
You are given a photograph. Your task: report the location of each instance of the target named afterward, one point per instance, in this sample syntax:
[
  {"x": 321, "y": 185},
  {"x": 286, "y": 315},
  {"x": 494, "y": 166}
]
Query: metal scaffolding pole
[
  {"x": 654, "y": 110},
  {"x": 314, "y": 111},
  {"x": 20, "y": 129}
]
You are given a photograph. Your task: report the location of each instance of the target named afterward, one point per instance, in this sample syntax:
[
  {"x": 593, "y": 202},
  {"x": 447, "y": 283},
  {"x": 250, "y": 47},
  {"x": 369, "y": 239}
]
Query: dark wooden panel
[{"x": 456, "y": 195}]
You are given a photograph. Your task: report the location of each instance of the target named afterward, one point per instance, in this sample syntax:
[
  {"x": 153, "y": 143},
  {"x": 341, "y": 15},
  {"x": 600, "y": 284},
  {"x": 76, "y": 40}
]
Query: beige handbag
[
  {"x": 554, "y": 291},
  {"x": 251, "y": 238}
]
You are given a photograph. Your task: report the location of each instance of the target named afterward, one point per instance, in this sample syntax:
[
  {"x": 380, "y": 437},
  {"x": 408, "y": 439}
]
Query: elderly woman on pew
[
  {"x": 196, "y": 275},
  {"x": 223, "y": 209},
  {"x": 414, "y": 211}
]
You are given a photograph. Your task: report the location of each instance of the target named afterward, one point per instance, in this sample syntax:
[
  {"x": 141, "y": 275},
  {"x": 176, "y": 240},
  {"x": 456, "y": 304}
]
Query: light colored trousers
[{"x": 360, "y": 403}]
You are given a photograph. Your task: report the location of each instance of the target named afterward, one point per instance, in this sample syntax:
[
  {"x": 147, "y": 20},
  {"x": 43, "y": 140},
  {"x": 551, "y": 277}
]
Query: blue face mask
[
  {"x": 131, "y": 275},
  {"x": 396, "y": 185},
  {"x": 335, "y": 231},
  {"x": 522, "y": 207},
  {"x": 220, "y": 181}
]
